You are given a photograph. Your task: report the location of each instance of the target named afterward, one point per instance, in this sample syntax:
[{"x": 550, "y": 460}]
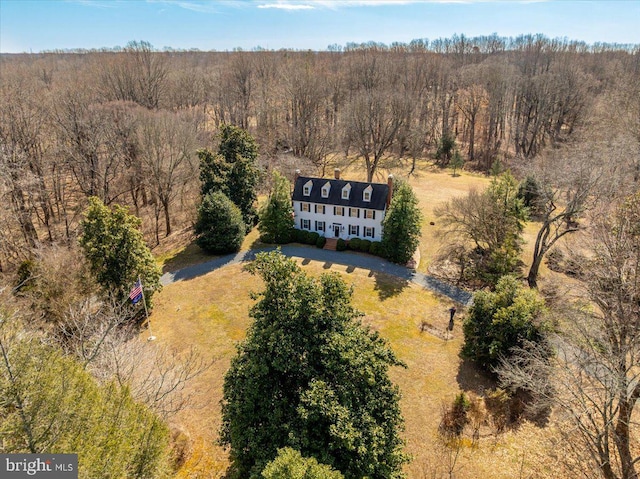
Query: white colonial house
[{"x": 337, "y": 208}]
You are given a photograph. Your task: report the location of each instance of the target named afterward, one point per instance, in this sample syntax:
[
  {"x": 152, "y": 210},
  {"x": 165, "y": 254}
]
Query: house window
[
  {"x": 338, "y": 210},
  {"x": 320, "y": 209},
  {"x": 306, "y": 190},
  {"x": 366, "y": 194},
  {"x": 325, "y": 190},
  {"x": 346, "y": 191},
  {"x": 354, "y": 212},
  {"x": 354, "y": 230},
  {"x": 305, "y": 224},
  {"x": 370, "y": 214},
  {"x": 305, "y": 207},
  {"x": 369, "y": 232},
  {"x": 320, "y": 226}
]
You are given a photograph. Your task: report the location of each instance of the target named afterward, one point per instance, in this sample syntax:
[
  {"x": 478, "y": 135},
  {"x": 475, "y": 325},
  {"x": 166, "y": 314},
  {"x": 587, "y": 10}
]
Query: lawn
[{"x": 211, "y": 313}]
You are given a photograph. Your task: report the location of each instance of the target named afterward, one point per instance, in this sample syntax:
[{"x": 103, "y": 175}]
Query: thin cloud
[
  {"x": 95, "y": 3},
  {"x": 200, "y": 6},
  {"x": 337, "y": 4},
  {"x": 287, "y": 6}
]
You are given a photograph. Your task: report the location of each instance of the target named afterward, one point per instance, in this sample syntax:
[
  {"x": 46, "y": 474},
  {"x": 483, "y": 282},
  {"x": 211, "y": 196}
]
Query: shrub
[
  {"x": 296, "y": 236},
  {"x": 220, "y": 228},
  {"x": 454, "y": 419},
  {"x": 321, "y": 242},
  {"x": 500, "y": 321},
  {"x": 289, "y": 464},
  {"x": 357, "y": 244},
  {"x": 312, "y": 238},
  {"x": 376, "y": 249},
  {"x": 342, "y": 245}
]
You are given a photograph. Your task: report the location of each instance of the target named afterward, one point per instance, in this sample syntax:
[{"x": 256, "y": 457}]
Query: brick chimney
[
  {"x": 336, "y": 173},
  {"x": 296, "y": 176},
  {"x": 390, "y": 184}
]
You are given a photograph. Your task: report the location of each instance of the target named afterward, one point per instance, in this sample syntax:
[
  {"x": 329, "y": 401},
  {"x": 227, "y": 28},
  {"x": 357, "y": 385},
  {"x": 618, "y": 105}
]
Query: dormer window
[
  {"x": 346, "y": 191},
  {"x": 306, "y": 189},
  {"x": 325, "y": 190},
  {"x": 366, "y": 194}
]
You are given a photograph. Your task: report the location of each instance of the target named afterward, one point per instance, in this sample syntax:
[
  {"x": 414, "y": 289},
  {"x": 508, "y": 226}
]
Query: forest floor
[{"x": 211, "y": 313}]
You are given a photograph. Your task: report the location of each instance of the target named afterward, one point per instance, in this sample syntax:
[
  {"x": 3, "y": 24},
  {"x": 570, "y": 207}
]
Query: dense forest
[{"x": 125, "y": 124}]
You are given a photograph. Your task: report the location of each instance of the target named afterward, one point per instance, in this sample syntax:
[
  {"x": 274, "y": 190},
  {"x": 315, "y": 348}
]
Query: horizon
[{"x": 35, "y": 26}]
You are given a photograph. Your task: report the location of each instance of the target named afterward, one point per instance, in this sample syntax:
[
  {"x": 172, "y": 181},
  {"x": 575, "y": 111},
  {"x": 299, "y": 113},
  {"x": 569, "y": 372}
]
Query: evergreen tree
[
  {"x": 219, "y": 228},
  {"x": 237, "y": 143},
  {"x": 50, "y": 404},
  {"x": 309, "y": 376},
  {"x": 233, "y": 170},
  {"x": 501, "y": 320},
  {"x": 289, "y": 464},
  {"x": 401, "y": 227},
  {"x": 276, "y": 215},
  {"x": 115, "y": 249}
]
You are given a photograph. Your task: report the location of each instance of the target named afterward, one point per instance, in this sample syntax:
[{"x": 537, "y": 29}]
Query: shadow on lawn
[
  {"x": 509, "y": 410},
  {"x": 387, "y": 286},
  {"x": 190, "y": 255},
  {"x": 471, "y": 378}
]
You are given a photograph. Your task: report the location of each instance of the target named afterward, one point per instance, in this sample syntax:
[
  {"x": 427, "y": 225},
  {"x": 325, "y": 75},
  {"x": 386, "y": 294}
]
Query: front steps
[{"x": 331, "y": 244}]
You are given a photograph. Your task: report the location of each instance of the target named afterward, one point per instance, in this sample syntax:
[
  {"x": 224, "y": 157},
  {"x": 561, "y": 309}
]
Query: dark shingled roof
[{"x": 378, "y": 195}]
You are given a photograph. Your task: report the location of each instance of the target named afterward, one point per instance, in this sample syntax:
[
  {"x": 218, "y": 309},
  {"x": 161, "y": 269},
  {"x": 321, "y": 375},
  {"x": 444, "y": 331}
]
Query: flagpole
[{"x": 146, "y": 311}]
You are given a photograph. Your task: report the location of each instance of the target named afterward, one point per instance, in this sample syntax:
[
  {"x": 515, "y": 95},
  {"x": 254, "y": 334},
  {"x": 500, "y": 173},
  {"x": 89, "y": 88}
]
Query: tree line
[{"x": 125, "y": 125}]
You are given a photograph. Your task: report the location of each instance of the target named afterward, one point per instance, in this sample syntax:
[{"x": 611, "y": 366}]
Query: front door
[{"x": 336, "y": 231}]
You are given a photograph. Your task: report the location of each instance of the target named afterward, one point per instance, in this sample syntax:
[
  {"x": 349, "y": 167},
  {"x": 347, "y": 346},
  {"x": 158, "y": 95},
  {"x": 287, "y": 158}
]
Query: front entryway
[{"x": 336, "y": 231}]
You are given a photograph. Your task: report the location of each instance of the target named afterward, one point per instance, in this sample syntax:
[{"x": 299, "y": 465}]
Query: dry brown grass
[{"x": 211, "y": 312}]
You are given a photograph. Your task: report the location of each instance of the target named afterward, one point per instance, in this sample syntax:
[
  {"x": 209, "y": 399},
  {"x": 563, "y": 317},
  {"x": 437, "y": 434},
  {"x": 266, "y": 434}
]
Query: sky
[{"x": 36, "y": 25}]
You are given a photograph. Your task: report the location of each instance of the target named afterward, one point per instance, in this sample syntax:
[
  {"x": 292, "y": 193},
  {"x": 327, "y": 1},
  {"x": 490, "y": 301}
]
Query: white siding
[{"x": 330, "y": 220}]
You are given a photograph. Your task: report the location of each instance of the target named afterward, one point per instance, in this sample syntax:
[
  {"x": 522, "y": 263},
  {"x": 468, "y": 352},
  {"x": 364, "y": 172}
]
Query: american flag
[{"x": 135, "y": 294}]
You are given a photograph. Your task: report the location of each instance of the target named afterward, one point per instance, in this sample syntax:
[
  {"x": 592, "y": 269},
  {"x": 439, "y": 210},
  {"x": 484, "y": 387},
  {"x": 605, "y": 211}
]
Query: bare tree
[
  {"x": 138, "y": 74},
  {"x": 374, "y": 119},
  {"x": 567, "y": 189},
  {"x": 470, "y": 101},
  {"x": 594, "y": 380},
  {"x": 168, "y": 144}
]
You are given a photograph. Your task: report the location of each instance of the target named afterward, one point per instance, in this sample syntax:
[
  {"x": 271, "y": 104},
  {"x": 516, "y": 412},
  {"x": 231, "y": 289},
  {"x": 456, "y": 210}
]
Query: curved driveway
[{"x": 367, "y": 262}]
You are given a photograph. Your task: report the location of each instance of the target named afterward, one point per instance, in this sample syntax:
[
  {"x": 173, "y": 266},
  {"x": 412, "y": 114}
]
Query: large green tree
[
  {"x": 500, "y": 321},
  {"x": 311, "y": 377},
  {"x": 276, "y": 215},
  {"x": 50, "y": 403},
  {"x": 115, "y": 248},
  {"x": 233, "y": 170},
  {"x": 401, "y": 226},
  {"x": 219, "y": 228}
]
